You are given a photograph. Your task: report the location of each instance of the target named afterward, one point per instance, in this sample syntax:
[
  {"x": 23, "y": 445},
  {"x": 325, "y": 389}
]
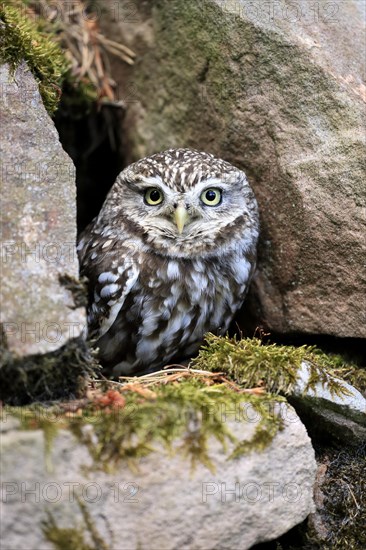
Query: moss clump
[
  {"x": 65, "y": 538},
  {"x": 349, "y": 372},
  {"x": 61, "y": 374},
  {"x": 132, "y": 421},
  {"x": 181, "y": 417},
  {"x": 251, "y": 363},
  {"x": 21, "y": 39}
]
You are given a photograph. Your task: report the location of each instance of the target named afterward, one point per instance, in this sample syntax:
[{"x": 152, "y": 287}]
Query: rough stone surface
[
  {"x": 353, "y": 404},
  {"x": 342, "y": 418},
  {"x": 164, "y": 505},
  {"x": 38, "y": 224},
  {"x": 281, "y": 94}
]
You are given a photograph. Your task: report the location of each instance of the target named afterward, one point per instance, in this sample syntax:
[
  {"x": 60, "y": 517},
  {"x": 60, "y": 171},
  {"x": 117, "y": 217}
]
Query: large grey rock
[
  {"x": 164, "y": 505},
  {"x": 38, "y": 224},
  {"x": 276, "y": 88}
]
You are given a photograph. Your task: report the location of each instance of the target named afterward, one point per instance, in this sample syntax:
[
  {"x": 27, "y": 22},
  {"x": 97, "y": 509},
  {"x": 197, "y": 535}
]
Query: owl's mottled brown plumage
[{"x": 169, "y": 258}]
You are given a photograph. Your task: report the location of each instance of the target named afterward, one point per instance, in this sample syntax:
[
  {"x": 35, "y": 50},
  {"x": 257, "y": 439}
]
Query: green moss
[
  {"x": 21, "y": 39},
  {"x": 251, "y": 363},
  {"x": 176, "y": 417},
  {"x": 65, "y": 538},
  {"x": 74, "y": 538},
  {"x": 180, "y": 417},
  {"x": 61, "y": 374},
  {"x": 347, "y": 371}
]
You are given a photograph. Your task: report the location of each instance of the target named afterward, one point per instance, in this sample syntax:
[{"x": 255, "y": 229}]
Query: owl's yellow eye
[
  {"x": 211, "y": 196},
  {"x": 153, "y": 196}
]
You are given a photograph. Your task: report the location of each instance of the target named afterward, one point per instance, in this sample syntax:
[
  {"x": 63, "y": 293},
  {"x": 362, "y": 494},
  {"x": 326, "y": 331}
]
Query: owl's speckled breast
[{"x": 172, "y": 305}]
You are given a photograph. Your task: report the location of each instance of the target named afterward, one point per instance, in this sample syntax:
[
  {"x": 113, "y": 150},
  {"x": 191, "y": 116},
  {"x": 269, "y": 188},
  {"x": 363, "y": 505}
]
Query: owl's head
[{"x": 183, "y": 202}]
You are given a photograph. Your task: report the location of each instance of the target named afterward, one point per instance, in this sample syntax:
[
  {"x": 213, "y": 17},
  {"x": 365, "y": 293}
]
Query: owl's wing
[{"x": 112, "y": 270}]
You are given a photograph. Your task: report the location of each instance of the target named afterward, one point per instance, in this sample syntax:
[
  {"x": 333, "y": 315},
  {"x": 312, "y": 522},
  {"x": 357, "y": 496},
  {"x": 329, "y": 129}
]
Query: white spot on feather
[
  {"x": 131, "y": 279},
  {"x": 107, "y": 277},
  {"x": 109, "y": 290},
  {"x": 80, "y": 245},
  {"x": 173, "y": 270},
  {"x": 241, "y": 271}
]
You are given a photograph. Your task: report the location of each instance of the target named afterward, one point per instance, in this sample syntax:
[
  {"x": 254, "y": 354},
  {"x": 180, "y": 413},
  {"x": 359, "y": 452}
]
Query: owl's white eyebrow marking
[
  {"x": 213, "y": 182},
  {"x": 152, "y": 180},
  {"x": 156, "y": 180}
]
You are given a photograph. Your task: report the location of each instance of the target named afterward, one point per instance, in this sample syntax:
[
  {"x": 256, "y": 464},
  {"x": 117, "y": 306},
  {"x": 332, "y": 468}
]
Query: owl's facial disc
[{"x": 184, "y": 218}]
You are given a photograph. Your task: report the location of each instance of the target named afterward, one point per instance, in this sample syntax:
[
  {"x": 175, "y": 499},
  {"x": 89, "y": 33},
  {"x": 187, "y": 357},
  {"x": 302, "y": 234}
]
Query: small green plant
[
  {"x": 21, "y": 39},
  {"x": 64, "y": 48}
]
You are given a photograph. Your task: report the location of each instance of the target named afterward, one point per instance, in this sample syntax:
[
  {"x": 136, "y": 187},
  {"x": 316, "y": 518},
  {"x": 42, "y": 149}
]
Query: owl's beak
[{"x": 180, "y": 217}]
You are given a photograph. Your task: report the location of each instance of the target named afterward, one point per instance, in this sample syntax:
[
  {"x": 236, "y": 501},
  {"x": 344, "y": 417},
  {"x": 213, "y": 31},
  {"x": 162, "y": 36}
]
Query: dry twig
[{"x": 86, "y": 47}]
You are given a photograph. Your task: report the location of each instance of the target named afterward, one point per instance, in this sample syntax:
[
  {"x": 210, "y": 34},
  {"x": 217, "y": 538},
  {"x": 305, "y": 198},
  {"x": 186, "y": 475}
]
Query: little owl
[{"x": 169, "y": 258}]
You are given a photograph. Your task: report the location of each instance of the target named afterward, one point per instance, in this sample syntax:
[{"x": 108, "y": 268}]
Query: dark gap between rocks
[{"x": 94, "y": 142}]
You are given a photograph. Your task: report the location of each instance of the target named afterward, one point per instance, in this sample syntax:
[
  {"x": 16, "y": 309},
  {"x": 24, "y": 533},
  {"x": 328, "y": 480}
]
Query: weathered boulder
[
  {"x": 277, "y": 89},
  {"x": 42, "y": 319},
  {"x": 249, "y": 499},
  {"x": 323, "y": 392},
  {"x": 38, "y": 226}
]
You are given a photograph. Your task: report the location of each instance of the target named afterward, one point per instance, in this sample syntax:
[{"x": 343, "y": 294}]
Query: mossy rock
[
  {"x": 61, "y": 374},
  {"x": 23, "y": 39},
  {"x": 152, "y": 452},
  {"x": 251, "y": 363}
]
